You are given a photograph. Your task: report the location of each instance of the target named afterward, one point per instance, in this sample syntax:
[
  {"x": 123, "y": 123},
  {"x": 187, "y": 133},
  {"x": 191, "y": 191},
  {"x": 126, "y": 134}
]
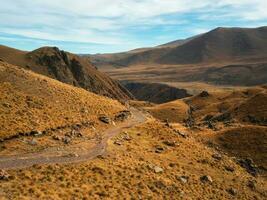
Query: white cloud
[{"x": 107, "y": 22}]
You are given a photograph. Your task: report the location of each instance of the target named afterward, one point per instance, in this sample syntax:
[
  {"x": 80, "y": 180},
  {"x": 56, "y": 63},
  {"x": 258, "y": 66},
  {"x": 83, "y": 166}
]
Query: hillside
[
  {"x": 67, "y": 68},
  {"x": 30, "y": 102},
  {"x": 54, "y": 131},
  {"x": 154, "y": 92}
]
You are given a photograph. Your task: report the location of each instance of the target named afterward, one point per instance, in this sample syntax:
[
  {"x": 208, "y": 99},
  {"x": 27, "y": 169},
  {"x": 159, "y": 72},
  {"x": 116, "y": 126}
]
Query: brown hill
[
  {"x": 174, "y": 111},
  {"x": 32, "y": 102},
  {"x": 67, "y": 68},
  {"x": 248, "y": 106},
  {"x": 218, "y": 45}
]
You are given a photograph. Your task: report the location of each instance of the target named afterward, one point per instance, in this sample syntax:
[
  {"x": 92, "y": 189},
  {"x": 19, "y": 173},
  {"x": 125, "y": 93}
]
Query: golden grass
[
  {"x": 30, "y": 101},
  {"x": 175, "y": 111},
  {"x": 127, "y": 173}
]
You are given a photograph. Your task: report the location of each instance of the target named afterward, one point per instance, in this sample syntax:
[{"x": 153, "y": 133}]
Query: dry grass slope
[
  {"x": 30, "y": 102},
  {"x": 174, "y": 112}
]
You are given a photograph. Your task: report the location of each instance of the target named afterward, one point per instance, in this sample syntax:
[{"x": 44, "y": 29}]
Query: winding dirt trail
[{"x": 27, "y": 160}]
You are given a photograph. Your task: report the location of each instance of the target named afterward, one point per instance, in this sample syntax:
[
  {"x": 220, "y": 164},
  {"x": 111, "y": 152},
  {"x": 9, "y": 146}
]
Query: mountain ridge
[{"x": 67, "y": 68}]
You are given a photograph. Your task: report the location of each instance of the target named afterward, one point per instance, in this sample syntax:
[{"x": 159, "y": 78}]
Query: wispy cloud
[{"x": 122, "y": 24}]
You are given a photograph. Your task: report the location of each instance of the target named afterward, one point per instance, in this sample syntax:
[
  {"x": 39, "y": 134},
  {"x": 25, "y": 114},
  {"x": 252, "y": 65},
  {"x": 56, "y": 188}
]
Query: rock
[
  {"x": 36, "y": 133},
  {"x": 252, "y": 184},
  {"x": 117, "y": 142},
  {"x": 208, "y": 117},
  {"x": 229, "y": 168},
  {"x": 223, "y": 117},
  {"x": 4, "y": 175},
  {"x": 7, "y": 105},
  {"x": 206, "y": 179},
  {"x": 66, "y": 140},
  {"x": 204, "y": 94},
  {"x": 105, "y": 119},
  {"x": 126, "y": 137},
  {"x": 166, "y": 121},
  {"x": 183, "y": 134},
  {"x": 84, "y": 110},
  {"x": 169, "y": 143},
  {"x": 73, "y": 155},
  {"x": 122, "y": 115},
  {"x": 217, "y": 156},
  {"x": 172, "y": 165},
  {"x": 183, "y": 179},
  {"x": 232, "y": 191},
  {"x": 56, "y": 137},
  {"x": 159, "y": 149},
  {"x": 249, "y": 166},
  {"x": 74, "y": 133},
  {"x": 32, "y": 142},
  {"x": 158, "y": 169}
]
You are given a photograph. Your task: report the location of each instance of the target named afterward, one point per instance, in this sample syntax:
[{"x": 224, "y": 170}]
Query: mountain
[
  {"x": 33, "y": 102},
  {"x": 223, "y": 56},
  {"x": 218, "y": 45},
  {"x": 67, "y": 68}
]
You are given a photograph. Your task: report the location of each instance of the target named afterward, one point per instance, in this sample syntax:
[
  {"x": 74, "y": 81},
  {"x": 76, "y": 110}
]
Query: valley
[{"x": 183, "y": 120}]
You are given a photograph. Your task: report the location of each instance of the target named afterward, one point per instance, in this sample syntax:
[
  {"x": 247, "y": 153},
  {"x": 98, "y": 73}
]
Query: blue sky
[{"x": 103, "y": 26}]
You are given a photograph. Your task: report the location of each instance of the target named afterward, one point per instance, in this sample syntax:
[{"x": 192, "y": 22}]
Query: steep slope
[
  {"x": 175, "y": 111},
  {"x": 31, "y": 102},
  {"x": 220, "y": 45},
  {"x": 67, "y": 68}
]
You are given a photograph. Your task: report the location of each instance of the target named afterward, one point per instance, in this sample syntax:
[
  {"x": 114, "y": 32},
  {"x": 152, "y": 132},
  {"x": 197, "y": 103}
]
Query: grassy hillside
[{"x": 32, "y": 102}]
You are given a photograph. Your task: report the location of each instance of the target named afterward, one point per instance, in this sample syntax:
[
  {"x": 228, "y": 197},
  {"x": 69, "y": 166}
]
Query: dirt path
[{"x": 27, "y": 160}]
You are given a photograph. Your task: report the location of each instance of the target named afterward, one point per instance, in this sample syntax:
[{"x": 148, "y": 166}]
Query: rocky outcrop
[{"x": 67, "y": 68}]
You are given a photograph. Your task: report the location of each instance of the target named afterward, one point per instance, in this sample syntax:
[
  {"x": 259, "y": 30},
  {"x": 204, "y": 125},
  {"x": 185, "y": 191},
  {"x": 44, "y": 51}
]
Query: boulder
[
  {"x": 217, "y": 156},
  {"x": 159, "y": 149},
  {"x": 232, "y": 191},
  {"x": 249, "y": 166},
  {"x": 158, "y": 169},
  {"x": 66, "y": 140},
  {"x": 105, "y": 119},
  {"x": 169, "y": 143},
  {"x": 183, "y": 179},
  {"x": 32, "y": 142},
  {"x": 206, "y": 179},
  {"x": 122, "y": 115},
  {"x": 204, "y": 94},
  {"x": 4, "y": 175}
]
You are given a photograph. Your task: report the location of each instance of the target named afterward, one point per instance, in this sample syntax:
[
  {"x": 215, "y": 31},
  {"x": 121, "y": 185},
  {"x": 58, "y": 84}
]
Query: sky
[{"x": 107, "y": 26}]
